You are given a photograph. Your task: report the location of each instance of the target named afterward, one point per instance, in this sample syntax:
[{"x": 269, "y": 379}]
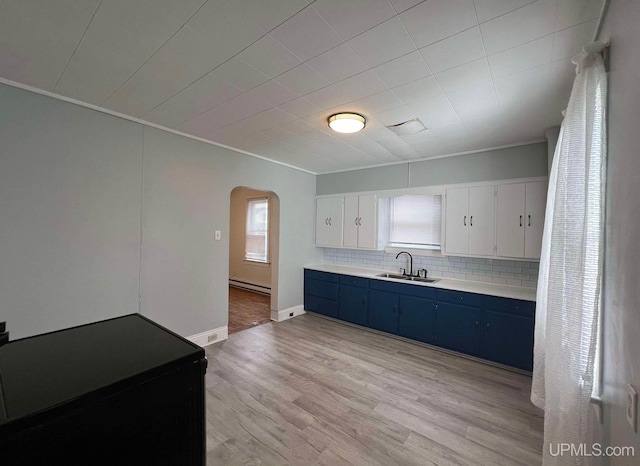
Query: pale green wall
[
  {"x": 501, "y": 164},
  {"x": 80, "y": 189}
]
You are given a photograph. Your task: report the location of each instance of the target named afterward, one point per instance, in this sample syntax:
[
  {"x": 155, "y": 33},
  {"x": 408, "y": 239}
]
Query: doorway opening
[{"x": 253, "y": 257}]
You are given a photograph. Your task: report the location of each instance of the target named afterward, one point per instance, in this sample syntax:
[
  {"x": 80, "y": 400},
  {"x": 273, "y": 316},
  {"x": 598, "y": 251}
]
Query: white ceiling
[{"x": 264, "y": 75}]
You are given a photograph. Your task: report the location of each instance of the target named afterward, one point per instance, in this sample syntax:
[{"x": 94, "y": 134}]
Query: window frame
[{"x": 267, "y": 256}]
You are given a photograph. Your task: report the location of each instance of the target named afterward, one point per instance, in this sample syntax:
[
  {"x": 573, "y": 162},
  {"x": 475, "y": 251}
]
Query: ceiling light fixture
[{"x": 346, "y": 122}]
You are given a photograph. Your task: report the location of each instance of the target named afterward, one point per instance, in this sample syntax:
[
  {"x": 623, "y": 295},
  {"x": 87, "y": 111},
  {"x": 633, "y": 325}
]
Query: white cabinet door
[
  {"x": 367, "y": 221},
  {"x": 457, "y": 221},
  {"x": 329, "y": 221},
  {"x": 350, "y": 237},
  {"x": 481, "y": 222},
  {"x": 535, "y": 206},
  {"x": 511, "y": 221}
]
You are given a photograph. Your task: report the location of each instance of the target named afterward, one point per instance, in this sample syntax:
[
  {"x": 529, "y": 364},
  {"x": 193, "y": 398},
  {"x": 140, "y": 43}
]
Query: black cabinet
[
  {"x": 121, "y": 391},
  {"x": 321, "y": 292}
]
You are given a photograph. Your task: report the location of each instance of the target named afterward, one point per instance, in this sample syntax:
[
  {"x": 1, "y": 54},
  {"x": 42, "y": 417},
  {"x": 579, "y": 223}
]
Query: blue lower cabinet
[
  {"x": 507, "y": 339},
  {"x": 353, "y": 306},
  {"x": 383, "y": 311},
  {"x": 416, "y": 318},
  {"x": 327, "y": 307},
  {"x": 457, "y": 328}
]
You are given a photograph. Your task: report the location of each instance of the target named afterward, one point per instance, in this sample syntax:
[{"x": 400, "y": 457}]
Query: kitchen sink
[{"x": 398, "y": 276}]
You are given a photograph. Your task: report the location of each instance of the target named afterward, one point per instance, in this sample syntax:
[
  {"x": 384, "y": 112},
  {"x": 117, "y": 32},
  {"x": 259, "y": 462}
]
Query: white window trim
[{"x": 258, "y": 262}]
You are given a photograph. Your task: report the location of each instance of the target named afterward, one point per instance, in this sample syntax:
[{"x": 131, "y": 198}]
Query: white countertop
[{"x": 491, "y": 289}]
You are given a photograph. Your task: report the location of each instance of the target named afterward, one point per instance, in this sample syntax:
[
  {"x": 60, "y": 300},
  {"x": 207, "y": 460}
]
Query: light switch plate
[
  {"x": 217, "y": 235},
  {"x": 632, "y": 407}
]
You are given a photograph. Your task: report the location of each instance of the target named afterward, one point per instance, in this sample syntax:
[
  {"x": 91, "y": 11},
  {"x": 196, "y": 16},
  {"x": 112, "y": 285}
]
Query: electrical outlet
[
  {"x": 632, "y": 407},
  {"x": 213, "y": 337}
]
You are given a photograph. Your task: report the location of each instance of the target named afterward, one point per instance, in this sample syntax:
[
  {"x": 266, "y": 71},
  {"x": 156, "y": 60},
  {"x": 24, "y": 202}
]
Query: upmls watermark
[{"x": 594, "y": 450}]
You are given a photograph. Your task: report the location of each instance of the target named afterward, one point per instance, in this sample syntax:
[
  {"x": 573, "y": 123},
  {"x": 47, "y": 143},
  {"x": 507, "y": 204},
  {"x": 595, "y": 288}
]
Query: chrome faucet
[{"x": 410, "y": 274}]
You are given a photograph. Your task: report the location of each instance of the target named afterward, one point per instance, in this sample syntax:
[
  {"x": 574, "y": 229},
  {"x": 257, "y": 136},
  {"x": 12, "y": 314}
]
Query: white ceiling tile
[
  {"x": 220, "y": 23},
  {"x": 298, "y": 127},
  {"x": 385, "y": 42},
  {"x": 418, "y": 90},
  {"x": 434, "y": 20},
  {"x": 269, "y": 57},
  {"x": 520, "y": 26},
  {"x": 572, "y": 12},
  {"x": 353, "y": 17},
  {"x": 350, "y": 89},
  {"x": 522, "y": 90},
  {"x": 302, "y": 79},
  {"x": 402, "y": 5},
  {"x": 269, "y": 13},
  {"x": 236, "y": 109},
  {"x": 450, "y": 131},
  {"x": 464, "y": 75},
  {"x": 377, "y": 103},
  {"x": 434, "y": 111},
  {"x": 569, "y": 42},
  {"x": 299, "y": 107},
  {"x": 418, "y": 138},
  {"x": 263, "y": 120},
  {"x": 489, "y": 9},
  {"x": 273, "y": 93},
  {"x": 455, "y": 50},
  {"x": 38, "y": 38},
  {"x": 474, "y": 101},
  {"x": 120, "y": 38},
  {"x": 520, "y": 58},
  {"x": 201, "y": 96},
  {"x": 403, "y": 70},
  {"x": 240, "y": 74},
  {"x": 338, "y": 63},
  {"x": 306, "y": 34},
  {"x": 395, "y": 115}
]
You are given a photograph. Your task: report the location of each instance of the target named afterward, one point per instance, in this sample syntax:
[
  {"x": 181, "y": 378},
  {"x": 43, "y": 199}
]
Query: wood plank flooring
[
  {"x": 312, "y": 391},
  {"x": 247, "y": 309}
]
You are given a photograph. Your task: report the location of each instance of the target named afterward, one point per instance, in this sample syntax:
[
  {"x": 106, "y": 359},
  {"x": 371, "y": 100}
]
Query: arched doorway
[{"x": 253, "y": 257}]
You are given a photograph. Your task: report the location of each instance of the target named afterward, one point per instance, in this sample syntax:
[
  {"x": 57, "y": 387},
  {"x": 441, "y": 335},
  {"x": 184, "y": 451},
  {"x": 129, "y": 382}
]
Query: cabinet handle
[
  {"x": 360, "y": 221},
  {"x": 326, "y": 221},
  {"x": 487, "y": 327},
  {"x": 400, "y": 310},
  {"x": 355, "y": 220},
  {"x": 464, "y": 221},
  {"x": 529, "y": 219},
  {"x": 476, "y": 323},
  {"x": 329, "y": 221},
  {"x": 521, "y": 220},
  {"x": 471, "y": 221},
  {"x": 364, "y": 300},
  {"x": 395, "y": 307}
]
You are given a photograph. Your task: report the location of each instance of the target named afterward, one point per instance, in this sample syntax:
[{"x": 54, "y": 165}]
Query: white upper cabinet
[
  {"x": 360, "y": 221},
  {"x": 470, "y": 221},
  {"x": 329, "y": 221},
  {"x": 520, "y": 220}
]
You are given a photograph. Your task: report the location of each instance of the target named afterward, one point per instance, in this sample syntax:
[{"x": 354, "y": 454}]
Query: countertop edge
[{"x": 490, "y": 289}]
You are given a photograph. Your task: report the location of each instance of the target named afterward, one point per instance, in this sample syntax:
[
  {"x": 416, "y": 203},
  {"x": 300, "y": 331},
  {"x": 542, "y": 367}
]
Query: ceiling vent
[{"x": 408, "y": 127}]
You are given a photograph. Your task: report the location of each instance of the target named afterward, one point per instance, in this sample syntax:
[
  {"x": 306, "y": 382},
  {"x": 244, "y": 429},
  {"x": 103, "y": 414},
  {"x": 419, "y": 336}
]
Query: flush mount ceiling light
[{"x": 346, "y": 122}]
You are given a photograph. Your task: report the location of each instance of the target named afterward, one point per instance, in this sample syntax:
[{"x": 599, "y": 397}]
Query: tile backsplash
[{"x": 505, "y": 272}]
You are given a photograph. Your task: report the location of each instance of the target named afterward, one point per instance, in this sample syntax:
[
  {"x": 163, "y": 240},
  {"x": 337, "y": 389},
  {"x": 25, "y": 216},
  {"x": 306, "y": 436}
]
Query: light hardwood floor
[{"x": 313, "y": 391}]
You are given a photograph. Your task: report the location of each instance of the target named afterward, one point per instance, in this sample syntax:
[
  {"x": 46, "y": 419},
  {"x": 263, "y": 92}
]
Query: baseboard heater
[{"x": 250, "y": 286}]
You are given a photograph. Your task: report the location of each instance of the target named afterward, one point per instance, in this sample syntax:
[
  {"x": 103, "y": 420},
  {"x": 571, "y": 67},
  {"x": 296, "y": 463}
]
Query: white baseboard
[
  {"x": 210, "y": 336},
  {"x": 288, "y": 313}
]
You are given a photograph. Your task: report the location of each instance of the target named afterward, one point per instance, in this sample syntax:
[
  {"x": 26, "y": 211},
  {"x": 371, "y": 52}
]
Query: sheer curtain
[{"x": 569, "y": 284}]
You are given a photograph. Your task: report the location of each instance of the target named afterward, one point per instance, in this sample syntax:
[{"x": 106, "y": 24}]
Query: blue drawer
[
  {"x": 322, "y": 289},
  {"x": 460, "y": 297},
  {"x": 353, "y": 281},
  {"x": 327, "y": 307},
  {"x": 419, "y": 291},
  {"x": 511, "y": 306},
  {"x": 323, "y": 276}
]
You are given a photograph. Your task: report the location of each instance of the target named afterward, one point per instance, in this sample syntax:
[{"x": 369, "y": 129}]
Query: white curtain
[{"x": 571, "y": 265}]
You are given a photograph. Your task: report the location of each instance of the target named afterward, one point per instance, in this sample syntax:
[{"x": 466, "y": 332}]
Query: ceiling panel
[
  {"x": 456, "y": 50},
  {"x": 383, "y": 43},
  {"x": 435, "y": 20},
  {"x": 37, "y": 39},
  {"x": 306, "y": 34},
  {"x": 265, "y": 75}
]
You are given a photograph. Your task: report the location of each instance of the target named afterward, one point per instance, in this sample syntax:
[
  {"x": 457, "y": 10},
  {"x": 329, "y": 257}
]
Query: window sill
[
  {"x": 257, "y": 263},
  {"x": 415, "y": 251}
]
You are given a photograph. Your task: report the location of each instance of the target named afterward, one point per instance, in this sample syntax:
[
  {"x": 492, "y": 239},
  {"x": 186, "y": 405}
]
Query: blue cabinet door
[
  {"x": 416, "y": 318},
  {"x": 383, "y": 311},
  {"x": 507, "y": 339},
  {"x": 353, "y": 304},
  {"x": 457, "y": 328},
  {"x": 327, "y": 307}
]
